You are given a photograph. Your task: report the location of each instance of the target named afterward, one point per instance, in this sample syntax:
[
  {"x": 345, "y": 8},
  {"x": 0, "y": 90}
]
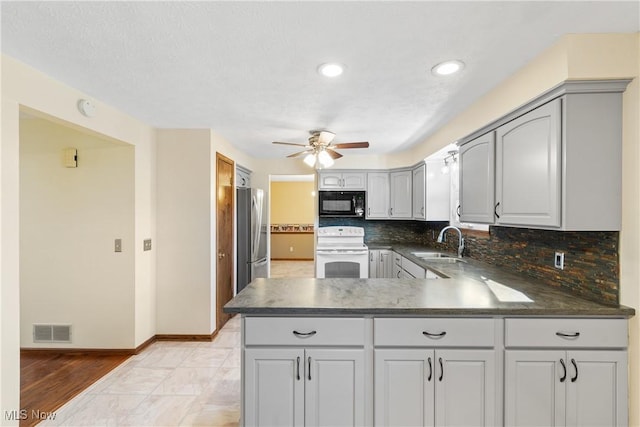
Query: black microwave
[{"x": 341, "y": 203}]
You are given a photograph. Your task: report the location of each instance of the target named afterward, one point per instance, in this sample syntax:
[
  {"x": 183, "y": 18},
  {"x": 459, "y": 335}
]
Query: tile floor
[
  {"x": 292, "y": 268},
  {"x": 168, "y": 384}
]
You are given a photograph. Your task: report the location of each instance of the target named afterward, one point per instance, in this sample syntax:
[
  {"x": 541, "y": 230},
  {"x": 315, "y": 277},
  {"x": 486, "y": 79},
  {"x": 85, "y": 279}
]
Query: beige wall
[
  {"x": 292, "y": 246},
  {"x": 69, "y": 218},
  {"x": 293, "y": 202},
  {"x": 26, "y": 88}
]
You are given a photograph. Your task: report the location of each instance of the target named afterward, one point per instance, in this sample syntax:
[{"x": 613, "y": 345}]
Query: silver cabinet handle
[
  {"x": 298, "y": 368},
  {"x": 309, "y": 370},
  {"x": 422, "y": 210},
  {"x": 564, "y": 370},
  {"x": 430, "y": 369},
  {"x": 304, "y": 334},
  {"x": 431, "y": 335},
  {"x": 368, "y": 211},
  {"x": 575, "y": 366},
  {"x": 371, "y": 256},
  {"x": 565, "y": 335},
  {"x": 441, "y": 369},
  {"x": 390, "y": 211},
  {"x": 398, "y": 275}
]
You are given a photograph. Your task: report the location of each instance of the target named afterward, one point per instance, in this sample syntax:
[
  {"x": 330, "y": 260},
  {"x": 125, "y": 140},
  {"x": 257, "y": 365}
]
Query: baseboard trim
[
  {"x": 120, "y": 351},
  {"x": 80, "y": 351}
]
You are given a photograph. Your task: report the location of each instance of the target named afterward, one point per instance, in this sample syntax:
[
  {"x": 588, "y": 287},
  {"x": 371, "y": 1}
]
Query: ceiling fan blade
[
  {"x": 290, "y": 143},
  {"x": 299, "y": 153},
  {"x": 351, "y": 145},
  {"x": 325, "y": 137},
  {"x": 334, "y": 154}
]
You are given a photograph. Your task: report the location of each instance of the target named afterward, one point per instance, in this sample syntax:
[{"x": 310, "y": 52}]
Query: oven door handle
[{"x": 342, "y": 252}]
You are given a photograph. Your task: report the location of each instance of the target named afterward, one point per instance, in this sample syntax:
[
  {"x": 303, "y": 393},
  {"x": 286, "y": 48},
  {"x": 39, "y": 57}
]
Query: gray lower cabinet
[
  {"x": 426, "y": 387},
  {"x": 569, "y": 372},
  {"x": 427, "y": 371},
  {"x": 304, "y": 372},
  {"x": 434, "y": 372},
  {"x": 380, "y": 263}
]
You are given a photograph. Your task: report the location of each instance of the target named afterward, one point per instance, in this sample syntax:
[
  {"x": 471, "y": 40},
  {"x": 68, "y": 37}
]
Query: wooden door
[{"x": 224, "y": 236}]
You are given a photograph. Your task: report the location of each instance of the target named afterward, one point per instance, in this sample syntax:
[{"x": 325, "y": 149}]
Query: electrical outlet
[
  {"x": 559, "y": 260},
  {"x": 147, "y": 244},
  {"x": 290, "y": 248}
]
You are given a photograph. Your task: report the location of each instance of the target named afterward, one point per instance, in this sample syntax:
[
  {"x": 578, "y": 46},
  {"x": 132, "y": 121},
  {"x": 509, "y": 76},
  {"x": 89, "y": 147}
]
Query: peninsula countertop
[{"x": 462, "y": 290}]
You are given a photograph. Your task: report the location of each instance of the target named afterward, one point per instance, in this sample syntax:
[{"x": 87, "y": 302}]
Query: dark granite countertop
[{"x": 464, "y": 289}]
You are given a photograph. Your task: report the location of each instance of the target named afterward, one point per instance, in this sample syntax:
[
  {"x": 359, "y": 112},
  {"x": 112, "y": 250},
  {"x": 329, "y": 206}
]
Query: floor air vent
[{"x": 51, "y": 333}]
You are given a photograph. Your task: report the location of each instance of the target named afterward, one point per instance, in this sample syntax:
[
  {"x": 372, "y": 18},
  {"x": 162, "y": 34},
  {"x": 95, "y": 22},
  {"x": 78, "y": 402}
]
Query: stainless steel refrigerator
[{"x": 252, "y": 235}]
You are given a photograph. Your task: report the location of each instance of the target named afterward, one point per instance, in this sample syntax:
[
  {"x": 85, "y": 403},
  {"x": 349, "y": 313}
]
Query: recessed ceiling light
[
  {"x": 330, "y": 69},
  {"x": 448, "y": 67}
]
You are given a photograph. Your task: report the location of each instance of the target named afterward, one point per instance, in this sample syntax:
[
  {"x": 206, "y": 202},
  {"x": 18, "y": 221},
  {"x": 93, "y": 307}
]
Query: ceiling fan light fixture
[
  {"x": 325, "y": 159},
  {"x": 447, "y": 68},
  {"x": 310, "y": 159},
  {"x": 331, "y": 69}
]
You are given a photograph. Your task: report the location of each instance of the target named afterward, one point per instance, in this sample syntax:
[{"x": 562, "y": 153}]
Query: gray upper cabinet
[
  {"x": 400, "y": 206},
  {"x": 557, "y": 162},
  {"x": 377, "y": 195},
  {"x": 477, "y": 177},
  {"x": 342, "y": 180},
  {"x": 431, "y": 189},
  {"x": 528, "y": 169}
]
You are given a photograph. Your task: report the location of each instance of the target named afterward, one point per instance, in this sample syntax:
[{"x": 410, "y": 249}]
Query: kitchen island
[{"x": 449, "y": 351}]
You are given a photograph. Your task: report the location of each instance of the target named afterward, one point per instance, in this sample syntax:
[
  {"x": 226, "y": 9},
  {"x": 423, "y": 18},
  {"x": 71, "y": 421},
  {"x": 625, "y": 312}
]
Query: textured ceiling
[{"x": 248, "y": 69}]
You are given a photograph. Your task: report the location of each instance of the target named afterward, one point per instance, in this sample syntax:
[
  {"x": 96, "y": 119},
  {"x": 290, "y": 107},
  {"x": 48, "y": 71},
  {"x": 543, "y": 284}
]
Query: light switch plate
[
  {"x": 147, "y": 244},
  {"x": 118, "y": 245}
]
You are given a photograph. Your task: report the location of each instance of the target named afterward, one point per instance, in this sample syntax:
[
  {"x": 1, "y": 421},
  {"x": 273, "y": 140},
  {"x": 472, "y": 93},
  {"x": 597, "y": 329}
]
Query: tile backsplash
[{"x": 591, "y": 265}]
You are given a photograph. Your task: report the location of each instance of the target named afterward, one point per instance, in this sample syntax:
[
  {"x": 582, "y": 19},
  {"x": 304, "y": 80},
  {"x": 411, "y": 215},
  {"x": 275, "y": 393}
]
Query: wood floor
[{"x": 48, "y": 380}]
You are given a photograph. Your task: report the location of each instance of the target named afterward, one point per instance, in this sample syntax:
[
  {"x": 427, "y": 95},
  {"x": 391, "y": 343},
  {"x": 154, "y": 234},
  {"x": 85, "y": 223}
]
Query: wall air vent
[{"x": 51, "y": 333}]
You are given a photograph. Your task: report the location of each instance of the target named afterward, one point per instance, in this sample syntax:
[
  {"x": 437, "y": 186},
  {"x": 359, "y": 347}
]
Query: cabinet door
[
  {"x": 403, "y": 387},
  {"x": 400, "y": 195},
  {"x": 597, "y": 388},
  {"x": 274, "y": 387},
  {"x": 419, "y": 192},
  {"x": 385, "y": 266},
  {"x": 374, "y": 262},
  {"x": 465, "y": 388},
  {"x": 329, "y": 181},
  {"x": 477, "y": 179},
  {"x": 438, "y": 193},
  {"x": 535, "y": 387},
  {"x": 334, "y": 387},
  {"x": 377, "y": 195},
  {"x": 354, "y": 180},
  {"x": 528, "y": 167}
]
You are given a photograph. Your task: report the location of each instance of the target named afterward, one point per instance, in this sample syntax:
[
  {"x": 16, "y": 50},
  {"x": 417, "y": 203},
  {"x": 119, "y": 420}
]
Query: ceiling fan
[{"x": 320, "y": 152}]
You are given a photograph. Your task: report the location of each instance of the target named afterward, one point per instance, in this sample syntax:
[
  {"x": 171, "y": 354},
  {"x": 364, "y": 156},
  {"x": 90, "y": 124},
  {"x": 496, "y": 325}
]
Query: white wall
[
  {"x": 184, "y": 244},
  {"x": 69, "y": 218},
  {"x": 26, "y": 88}
]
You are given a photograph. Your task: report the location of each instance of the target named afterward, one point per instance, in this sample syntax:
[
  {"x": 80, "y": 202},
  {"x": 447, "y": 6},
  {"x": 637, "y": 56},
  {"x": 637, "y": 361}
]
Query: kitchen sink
[
  {"x": 431, "y": 255},
  {"x": 437, "y": 256}
]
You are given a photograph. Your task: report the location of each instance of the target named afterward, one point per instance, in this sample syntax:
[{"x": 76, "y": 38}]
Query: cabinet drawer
[
  {"x": 566, "y": 333},
  {"x": 438, "y": 332},
  {"x": 304, "y": 331}
]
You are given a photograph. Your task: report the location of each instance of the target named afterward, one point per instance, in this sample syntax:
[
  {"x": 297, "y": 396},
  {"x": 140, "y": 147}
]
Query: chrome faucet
[{"x": 441, "y": 238}]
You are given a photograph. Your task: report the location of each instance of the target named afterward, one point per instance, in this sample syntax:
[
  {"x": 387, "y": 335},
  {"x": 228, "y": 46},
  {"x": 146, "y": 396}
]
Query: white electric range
[{"x": 341, "y": 252}]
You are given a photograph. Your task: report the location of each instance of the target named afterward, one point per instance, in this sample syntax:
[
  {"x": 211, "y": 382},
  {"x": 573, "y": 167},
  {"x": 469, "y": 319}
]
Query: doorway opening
[{"x": 293, "y": 220}]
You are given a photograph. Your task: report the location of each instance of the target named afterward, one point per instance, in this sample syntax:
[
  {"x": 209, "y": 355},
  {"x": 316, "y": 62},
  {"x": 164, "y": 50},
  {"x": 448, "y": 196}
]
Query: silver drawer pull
[
  {"x": 430, "y": 335},
  {"x": 573, "y": 335},
  {"x": 304, "y": 334}
]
